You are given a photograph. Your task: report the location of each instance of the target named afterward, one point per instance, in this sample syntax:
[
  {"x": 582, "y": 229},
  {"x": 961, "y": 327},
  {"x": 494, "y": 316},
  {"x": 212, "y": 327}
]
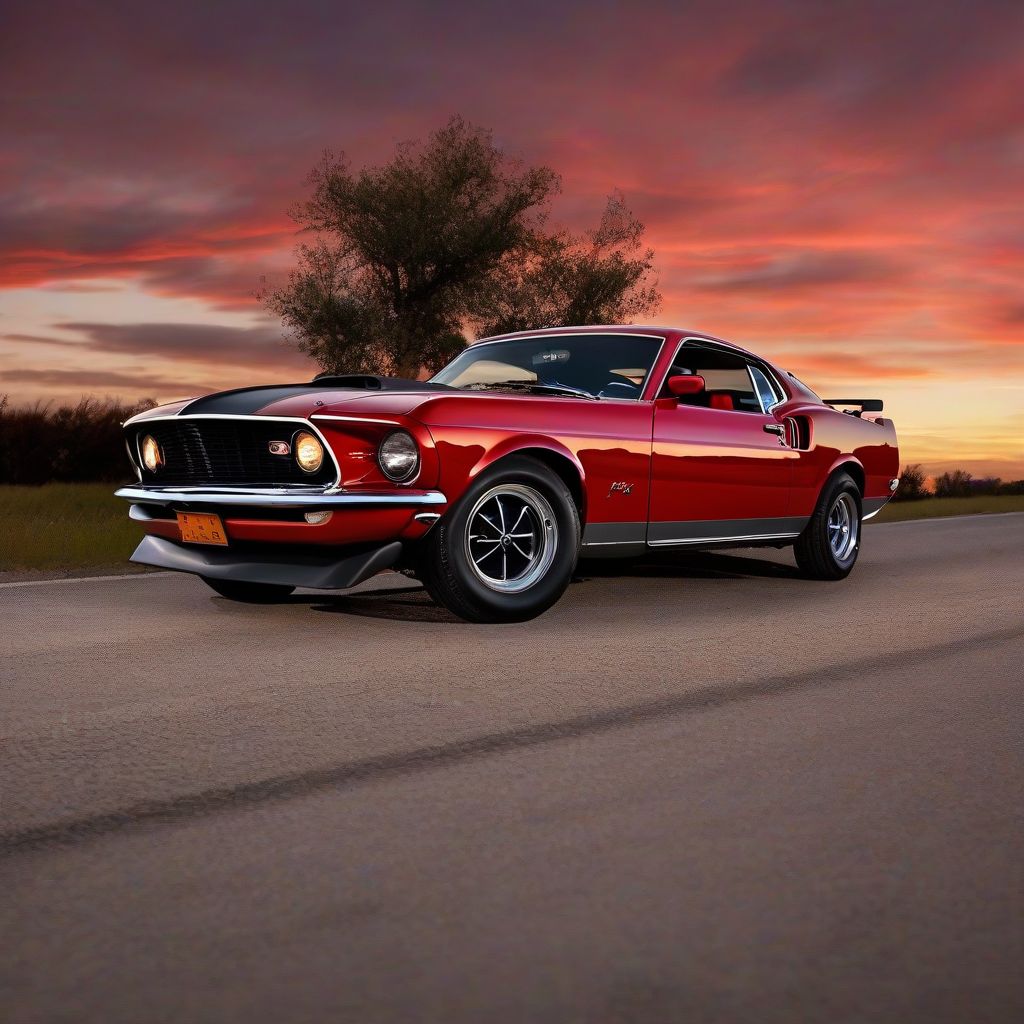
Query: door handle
[{"x": 778, "y": 429}]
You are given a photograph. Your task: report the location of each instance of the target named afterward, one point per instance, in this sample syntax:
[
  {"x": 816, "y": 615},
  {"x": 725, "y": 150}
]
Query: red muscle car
[{"x": 491, "y": 479}]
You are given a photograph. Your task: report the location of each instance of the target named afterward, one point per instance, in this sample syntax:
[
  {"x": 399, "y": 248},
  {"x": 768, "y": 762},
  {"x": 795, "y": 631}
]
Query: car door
[{"x": 720, "y": 468}]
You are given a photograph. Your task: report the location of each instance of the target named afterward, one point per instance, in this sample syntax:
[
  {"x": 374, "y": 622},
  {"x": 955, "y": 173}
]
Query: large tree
[
  {"x": 602, "y": 277},
  {"x": 448, "y": 235}
]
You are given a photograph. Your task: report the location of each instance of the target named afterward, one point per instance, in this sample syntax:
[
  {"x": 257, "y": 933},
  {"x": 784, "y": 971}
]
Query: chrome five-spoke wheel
[
  {"x": 511, "y": 537},
  {"x": 843, "y": 526}
]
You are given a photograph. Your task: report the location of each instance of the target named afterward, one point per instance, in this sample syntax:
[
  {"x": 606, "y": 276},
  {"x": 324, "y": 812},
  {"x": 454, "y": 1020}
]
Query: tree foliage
[
  {"x": 602, "y": 277},
  {"x": 448, "y": 235},
  {"x": 78, "y": 442},
  {"x": 988, "y": 485},
  {"x": 912, "y": 484},
  {"x": 954, "y": 484}
]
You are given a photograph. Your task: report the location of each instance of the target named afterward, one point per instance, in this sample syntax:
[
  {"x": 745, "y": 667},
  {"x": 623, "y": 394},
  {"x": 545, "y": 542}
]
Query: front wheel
[
  {"x": 249, "y": 593},
  {"x": 507, "y": 550},
  {"x": 830, "y": 543}
]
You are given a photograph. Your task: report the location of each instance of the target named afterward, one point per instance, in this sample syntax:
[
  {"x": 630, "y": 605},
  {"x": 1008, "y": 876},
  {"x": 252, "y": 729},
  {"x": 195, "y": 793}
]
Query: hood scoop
[{"x": 373, "y": 382}]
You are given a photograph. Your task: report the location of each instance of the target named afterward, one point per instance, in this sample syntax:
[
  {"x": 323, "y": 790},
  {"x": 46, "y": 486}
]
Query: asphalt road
[{"x": 698, "y": 790}]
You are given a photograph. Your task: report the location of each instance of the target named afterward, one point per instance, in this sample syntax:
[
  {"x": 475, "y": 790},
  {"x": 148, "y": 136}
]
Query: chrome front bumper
[{"x": 279, "y": 497}]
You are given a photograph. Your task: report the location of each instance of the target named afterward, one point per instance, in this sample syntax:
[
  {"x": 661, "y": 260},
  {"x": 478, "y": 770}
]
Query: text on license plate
[{"x": 201, "y": 528}]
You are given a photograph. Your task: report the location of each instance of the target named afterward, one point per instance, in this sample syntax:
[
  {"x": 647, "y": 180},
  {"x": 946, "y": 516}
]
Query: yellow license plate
[{"x": 201, "y": 528}]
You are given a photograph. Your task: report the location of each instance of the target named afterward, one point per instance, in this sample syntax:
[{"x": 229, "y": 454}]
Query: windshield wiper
[{"x": 531, "y": 385}]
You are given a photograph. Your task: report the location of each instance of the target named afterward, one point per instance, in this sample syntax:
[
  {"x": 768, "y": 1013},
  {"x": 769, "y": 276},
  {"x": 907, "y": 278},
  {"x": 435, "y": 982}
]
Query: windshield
[{"x": 586, "y": 365}]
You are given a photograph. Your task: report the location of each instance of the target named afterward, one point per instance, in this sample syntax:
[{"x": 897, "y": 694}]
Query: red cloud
[{"x": 815, "y": 180}]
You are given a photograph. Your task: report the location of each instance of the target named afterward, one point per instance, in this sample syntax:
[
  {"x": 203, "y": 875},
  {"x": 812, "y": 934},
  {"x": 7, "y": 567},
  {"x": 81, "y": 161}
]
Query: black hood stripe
[
  {"x": 244, "y": 401},
  {"x": 248, "y": 401}
]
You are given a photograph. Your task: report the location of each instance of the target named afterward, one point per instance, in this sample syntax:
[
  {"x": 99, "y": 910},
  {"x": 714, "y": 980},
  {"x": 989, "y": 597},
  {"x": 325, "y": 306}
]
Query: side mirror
[{"x": 688, "y": 384}]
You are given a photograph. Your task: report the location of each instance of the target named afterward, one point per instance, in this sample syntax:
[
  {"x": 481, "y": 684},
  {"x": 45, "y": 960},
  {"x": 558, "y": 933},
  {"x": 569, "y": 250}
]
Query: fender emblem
[
  {"x": 620, "y": 487},
  {"x": 279, "y": 448}
]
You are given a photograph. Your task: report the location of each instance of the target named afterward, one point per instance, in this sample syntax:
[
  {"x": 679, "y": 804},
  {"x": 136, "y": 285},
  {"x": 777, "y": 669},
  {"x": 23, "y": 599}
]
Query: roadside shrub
[
  {"x": 911, "y": 486},
  {"x": 955, "y": 484},
  {"x": 69, "y": 443},
  {"x": 987, "y": 485},
  {"x": 1013, "y": 487}
]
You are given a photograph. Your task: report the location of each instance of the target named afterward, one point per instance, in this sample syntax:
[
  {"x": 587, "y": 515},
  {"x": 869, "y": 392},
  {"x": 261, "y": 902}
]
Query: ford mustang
[{"x": 492, "y": 478}]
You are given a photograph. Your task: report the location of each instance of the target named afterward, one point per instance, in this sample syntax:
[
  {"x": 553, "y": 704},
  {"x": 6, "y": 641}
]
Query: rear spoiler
[{"x": 865, "y": 404}]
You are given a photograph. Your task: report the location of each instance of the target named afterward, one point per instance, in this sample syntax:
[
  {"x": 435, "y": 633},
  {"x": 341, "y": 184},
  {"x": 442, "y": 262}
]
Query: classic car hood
[
  {"x": 441, "y": 406},
  {"x": 350, "y": 402},
  {"x": 300, "y": 400},
  {"x": 425, "y": 402}
]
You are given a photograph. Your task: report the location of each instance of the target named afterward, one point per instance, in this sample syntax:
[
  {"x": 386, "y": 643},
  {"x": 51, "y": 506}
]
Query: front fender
[
  {"x": 466, "y": 453},
  {"x": 524, "y": 443}
]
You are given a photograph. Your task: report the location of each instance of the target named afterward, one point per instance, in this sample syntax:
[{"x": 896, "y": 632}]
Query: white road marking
[{"x": 157, "y": 575}]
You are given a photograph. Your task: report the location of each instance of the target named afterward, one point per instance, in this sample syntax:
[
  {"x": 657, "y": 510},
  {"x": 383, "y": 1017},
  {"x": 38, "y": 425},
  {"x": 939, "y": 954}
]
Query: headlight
[
  {"x": 152, "y": 457},
  {"x": 398, "y": 456},
  {"x": 309, "y": 452}
]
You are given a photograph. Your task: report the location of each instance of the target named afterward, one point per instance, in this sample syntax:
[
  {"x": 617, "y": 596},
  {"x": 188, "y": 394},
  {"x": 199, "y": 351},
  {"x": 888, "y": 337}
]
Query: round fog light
[
  {"x": 152, "y": 457},
  {"x": 309, "y": 452},
  {"x": 316, "y": 518}
]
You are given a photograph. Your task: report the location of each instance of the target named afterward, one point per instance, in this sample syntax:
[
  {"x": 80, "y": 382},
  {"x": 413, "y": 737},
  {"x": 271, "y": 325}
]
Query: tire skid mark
[{"x": 251, "y": 795}]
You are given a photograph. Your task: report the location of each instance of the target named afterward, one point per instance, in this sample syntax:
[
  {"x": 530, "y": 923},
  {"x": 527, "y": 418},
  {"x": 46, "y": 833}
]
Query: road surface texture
[{"x": 701, "y": 789}]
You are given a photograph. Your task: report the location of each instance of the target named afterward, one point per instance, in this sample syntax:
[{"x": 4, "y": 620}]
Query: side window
[
  {"x": 728, "y": 383},
  {"x": 765, "y": 390}
]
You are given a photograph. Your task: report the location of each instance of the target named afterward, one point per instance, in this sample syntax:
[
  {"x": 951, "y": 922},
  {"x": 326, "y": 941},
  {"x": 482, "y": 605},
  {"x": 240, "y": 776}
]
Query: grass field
[
  {"x": 932, "y": 508},
  {"x": 62, "y": 527}
]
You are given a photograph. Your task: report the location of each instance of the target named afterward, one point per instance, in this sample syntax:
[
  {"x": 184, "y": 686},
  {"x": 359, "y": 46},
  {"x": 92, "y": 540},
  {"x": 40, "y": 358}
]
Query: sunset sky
[{"x": 838, "y": 186}]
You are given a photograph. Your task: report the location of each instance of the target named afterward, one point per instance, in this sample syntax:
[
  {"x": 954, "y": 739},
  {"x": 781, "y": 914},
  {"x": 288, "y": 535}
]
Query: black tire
[
  {"x": 817, "y": 555},
  {"x": 249, "y": 593},
  {"x": 547, "y": 556}
]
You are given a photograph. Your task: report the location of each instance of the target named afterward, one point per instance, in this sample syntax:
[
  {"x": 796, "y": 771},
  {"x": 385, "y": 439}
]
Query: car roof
[{"x": 680, "y": 332}]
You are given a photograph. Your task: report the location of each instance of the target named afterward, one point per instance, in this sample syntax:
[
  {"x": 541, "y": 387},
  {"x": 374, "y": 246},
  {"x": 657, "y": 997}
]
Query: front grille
[{"x": 231, "y": 452}]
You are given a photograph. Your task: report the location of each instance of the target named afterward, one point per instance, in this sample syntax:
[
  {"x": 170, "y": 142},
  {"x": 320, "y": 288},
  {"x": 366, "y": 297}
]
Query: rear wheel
[
  {"x": 507, "y": 550},
  {"x": 830, "y": 543},
  {"x": 249, "y": 593}
]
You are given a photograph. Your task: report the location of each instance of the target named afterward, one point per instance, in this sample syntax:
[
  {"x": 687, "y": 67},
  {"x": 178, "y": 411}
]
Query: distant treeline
[
  {"x": 82, "y": 442},
  {"x": 957, "y": 483},
  {"x": 44, "y": 443}
]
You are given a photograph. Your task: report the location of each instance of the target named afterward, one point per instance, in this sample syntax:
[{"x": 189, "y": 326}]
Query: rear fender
[{"x": 845, "y": 462}]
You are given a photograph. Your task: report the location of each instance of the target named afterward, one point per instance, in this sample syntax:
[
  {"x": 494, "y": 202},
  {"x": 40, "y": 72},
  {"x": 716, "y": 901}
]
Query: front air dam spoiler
[{"x": 317, "y": 572}]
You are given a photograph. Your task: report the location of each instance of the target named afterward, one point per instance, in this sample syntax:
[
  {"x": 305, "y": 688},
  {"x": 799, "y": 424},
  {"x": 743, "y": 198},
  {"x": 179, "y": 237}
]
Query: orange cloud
[{"x": 828, "y": 184}]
